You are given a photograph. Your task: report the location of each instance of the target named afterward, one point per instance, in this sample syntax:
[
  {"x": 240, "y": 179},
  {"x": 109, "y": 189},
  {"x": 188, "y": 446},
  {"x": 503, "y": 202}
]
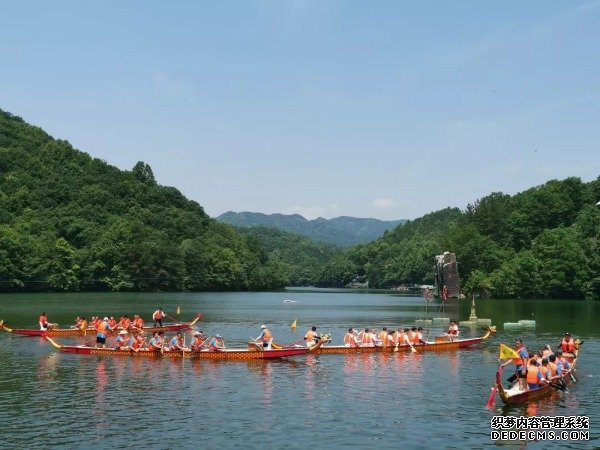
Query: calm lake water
[{"x": 429, "y": 400}]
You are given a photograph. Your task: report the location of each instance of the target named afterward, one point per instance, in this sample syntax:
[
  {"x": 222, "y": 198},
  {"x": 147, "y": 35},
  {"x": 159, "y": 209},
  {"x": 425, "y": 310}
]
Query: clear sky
[{"x": 383, "y": 109}]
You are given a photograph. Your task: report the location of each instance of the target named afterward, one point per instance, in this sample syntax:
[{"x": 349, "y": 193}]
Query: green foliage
[
  {"x": 541, "y": 243},
  {"x": 71, "y": 222}
]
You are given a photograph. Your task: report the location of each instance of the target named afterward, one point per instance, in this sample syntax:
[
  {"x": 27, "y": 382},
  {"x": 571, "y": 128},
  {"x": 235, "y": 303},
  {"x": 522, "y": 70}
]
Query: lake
[{"x": 429, "y": 400}]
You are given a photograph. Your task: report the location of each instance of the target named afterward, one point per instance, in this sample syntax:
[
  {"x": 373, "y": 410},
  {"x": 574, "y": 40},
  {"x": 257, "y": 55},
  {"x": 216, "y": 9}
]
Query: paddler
[
  {"x": 265, "y": 337},
  {"x": 311, "y": 337},
  {"x": 197, "y": 341},
  {"x": 383, "y": 334},
  {"x": 176, "y": 344},
  {"x": 350, "y": 339},
  {"x": 121, "y": 340},
  {"x": 216, "y": 343},
  {"x": 368, "y": 338},
  {"x": 124, "y": 323},
  {"x": 534, "y": 375},
  {"x": 137, "y": 323},
  {"x": 420, "y": 336},
  {"x": 155, "y": 342},
  {"x": 138, "y": 342},
  {"x": 112, "y": 322}
]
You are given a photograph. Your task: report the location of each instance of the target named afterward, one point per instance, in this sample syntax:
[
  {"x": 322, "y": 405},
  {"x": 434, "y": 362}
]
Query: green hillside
[
  {"x": 300, "y": 258},
  {"x": 541, "y": 243},
  {"x": 341, "y": 231},
  {"x": 72, "y": 222}
]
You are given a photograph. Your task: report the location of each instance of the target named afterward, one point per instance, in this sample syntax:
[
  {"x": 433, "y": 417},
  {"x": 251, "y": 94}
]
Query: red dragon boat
[
  {"x": 442, "y": 343},
  {"x": 252, "y": 352},
  {"x": 516, "y": 396},
  {"x": 72, "y": 332}
]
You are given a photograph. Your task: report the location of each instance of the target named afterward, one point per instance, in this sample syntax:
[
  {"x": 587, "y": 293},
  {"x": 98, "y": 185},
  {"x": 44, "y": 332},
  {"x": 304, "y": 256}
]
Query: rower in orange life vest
[
  {"x": 102, "y": 330},
  {"x": 520, "y": 369},
  {"x": 535, "y": 377},
  {"x": 383, "y": 337},
  {"x": 121, "y": 340},
  {"x": 368, "y": 338},
  {"x": 157, "y": 316},
  {"x": 138, "y": 323},
  {"x": 350, "y": 339},
  {"x": 138, "y": 342},
  {"x": 266, "y": 337},
  {"x": 43, "y": 321},
  {"x": 311, "y": 337},
  {"x": 112, "y": 322},
  {"x": 197, "y": 341},
  {"x": 567, "y": 344}
]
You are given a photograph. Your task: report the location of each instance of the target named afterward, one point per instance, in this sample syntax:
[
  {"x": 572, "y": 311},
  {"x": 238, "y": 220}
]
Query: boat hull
[
  {"x": 533, "y": 395},
  {"x": 222, "y": 354},
  {"x": 71, "y": 332}
]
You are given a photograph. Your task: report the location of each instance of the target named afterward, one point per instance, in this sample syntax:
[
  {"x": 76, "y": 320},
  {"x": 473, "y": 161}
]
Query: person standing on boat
[
  {"x": 43, "y": 321},
  {"x": 520, "y": 369},
  {"x": 157, "y": 316},
  {"x": 266, "y": 337},
  {"x": 102, "y": 331},
  {"x": 311, "y": 337},
  {"x": 350, "y": 339}
]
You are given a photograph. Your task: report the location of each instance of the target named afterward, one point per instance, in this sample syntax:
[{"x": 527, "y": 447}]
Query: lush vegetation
[
  {"x": 341, "y": 231},
  {"x": 300, "y": 258},
  {"x": 541, "y": 243},
  {"x": 72, "y": 222}
]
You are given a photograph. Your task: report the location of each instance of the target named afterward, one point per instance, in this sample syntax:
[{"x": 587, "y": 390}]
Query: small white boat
[{"x": 287, "y": 300}]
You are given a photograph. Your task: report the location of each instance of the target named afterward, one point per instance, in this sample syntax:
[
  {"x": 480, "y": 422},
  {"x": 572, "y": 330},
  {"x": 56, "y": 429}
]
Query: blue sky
[{"x": 381, "y": 109}]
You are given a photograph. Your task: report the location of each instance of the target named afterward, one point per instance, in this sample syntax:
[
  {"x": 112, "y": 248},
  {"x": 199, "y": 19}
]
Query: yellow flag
[
  {"x": 294, "y": 325},
  {"x": 507, "y": 353},
  {"x": 178, "y": 311}
]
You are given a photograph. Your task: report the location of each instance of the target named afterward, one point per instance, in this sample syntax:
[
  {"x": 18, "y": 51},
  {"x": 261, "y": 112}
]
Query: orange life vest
[
  {"x": 383, "y": 338},
  {"x": 102, "y": 327},
  {"x": 124, "y": 323},
  {"x": 138, "y": 342},
  {"x": 349, "y": 339},
  {"x": 519, "y": 361},
  {"x": 552, "y": 367},
  {"x": 158, "y": 314},
  {"x": 567, "y": 346},
  {"x": 532, "y": 374},
  {"x": 120, "y": 343},
  {"x": 367, "y": 338},
  {"x": 138, "y": 323},
  {"x": 415, "y": 338},
  {"x": 310, "y": 336},
  {"x": 267, "y": 336},
  {"x": 83, "y": 325},
  {"x": 112, "y": 323}
]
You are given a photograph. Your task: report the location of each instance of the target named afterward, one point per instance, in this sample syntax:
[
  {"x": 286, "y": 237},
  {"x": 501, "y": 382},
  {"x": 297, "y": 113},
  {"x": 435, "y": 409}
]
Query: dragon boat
[
  {"x": 442, "y": 343},
  {"x": 515, "y": 396},
  {"x": 252, "y": 352},
  {"x": 73, "y": 332}
]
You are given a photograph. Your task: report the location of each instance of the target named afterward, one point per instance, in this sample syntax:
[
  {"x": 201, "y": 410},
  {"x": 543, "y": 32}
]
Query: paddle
[
  {"x": 574, "y": 379},
  {"x": 173, "y": 319},
  {"x": 412, "y": 349}
]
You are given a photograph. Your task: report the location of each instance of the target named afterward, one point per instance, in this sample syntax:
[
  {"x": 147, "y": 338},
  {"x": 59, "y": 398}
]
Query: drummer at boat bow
[
  {"x": 311, "y": 337},
  {"x": 567, "y": 344},
  {"x": 43, "y": 321},
  {"x": 266, "y": 337}
]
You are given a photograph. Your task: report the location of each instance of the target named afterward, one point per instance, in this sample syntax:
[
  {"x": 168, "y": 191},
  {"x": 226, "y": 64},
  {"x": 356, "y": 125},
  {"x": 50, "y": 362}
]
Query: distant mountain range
[{"x": 342, "y": 231}]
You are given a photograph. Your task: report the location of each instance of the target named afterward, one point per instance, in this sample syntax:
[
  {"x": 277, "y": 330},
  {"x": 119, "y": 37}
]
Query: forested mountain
[
  {"x": 72, "y": 222},
  {"x": 341, "y": 231},
  {"x": 300, "y": 258},
  {"x": 543, "y": 242}
]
